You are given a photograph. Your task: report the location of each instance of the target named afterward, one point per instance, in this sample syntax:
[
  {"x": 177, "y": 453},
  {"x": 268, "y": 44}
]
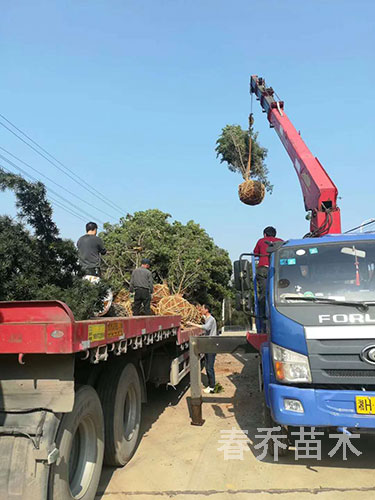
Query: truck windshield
[{"x": 337, "y": 271}]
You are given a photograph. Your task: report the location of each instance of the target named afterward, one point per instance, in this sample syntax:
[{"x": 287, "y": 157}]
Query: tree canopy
[
  {"x": 184, "y": 255},
  {"x": 36, "y": 263},
  {"x": 232, "y": 147}
]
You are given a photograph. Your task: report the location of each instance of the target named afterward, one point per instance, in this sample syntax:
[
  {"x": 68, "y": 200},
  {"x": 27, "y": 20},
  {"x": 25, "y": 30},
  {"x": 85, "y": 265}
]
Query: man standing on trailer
[
  {"x": 90, "y": 249},
  {"x": 142, "y": 284},
  {"x": 210, "y": 329},
  {"x": 260, "y": 250}
]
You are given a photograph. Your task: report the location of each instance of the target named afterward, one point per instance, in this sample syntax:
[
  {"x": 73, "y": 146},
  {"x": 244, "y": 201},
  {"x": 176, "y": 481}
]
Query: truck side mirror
[{"x": 242, "y": 275}]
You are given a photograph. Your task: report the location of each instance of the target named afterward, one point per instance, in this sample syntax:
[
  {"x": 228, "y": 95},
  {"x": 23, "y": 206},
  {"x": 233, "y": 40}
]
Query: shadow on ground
[
  {"x": 249, "y": 413},
  {"x": 158, "y": 400}
]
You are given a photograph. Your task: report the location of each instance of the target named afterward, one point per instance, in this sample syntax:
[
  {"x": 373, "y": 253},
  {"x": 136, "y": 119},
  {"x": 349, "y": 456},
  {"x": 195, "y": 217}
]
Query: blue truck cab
[{"x": 318, "y": 363}]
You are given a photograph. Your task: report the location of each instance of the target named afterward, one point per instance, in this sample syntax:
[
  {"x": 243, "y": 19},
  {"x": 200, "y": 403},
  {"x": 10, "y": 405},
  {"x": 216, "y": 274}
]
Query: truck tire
[
  {"x": 80, "y": 440},
  {"x": 121, "y": 395},
  {"x": 269, "y": 423}
]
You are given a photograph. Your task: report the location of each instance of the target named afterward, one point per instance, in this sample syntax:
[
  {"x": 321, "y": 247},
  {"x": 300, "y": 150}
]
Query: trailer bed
[{"x": 49, "y": 327}]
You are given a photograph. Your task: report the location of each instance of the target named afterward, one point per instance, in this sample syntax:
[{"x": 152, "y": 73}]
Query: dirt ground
[{"x": 178, "y": 460}]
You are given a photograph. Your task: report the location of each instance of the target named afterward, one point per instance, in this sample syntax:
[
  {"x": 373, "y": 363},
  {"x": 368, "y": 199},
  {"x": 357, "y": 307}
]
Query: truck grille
[
  {"x": 351, "y": 373},
  {"x": 338, "y": 361}
]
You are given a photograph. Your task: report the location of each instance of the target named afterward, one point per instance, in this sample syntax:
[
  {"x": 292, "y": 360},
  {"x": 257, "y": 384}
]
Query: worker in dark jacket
[
  {"x": 260, "y": 250},
  {"x": 141, "y": 284},
  {"x": 90, "y": 249}
]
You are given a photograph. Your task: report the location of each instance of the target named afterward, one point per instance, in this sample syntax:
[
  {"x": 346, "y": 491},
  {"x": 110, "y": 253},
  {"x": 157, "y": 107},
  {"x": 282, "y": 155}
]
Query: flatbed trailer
[{"x": 71, "y": 394}]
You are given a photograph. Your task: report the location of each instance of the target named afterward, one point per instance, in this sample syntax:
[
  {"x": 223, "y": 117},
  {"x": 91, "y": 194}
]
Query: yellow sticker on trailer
[
  {"x": 96, "y": 332},
  {"x": 114, "y": 329}
]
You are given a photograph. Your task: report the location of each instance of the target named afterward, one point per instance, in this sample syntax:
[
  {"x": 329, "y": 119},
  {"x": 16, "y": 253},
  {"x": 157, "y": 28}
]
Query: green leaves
[
  {"x": 38, "y": 264},
  {"x": 182, "y": 254},
  {"x": 232, "y": 147}
]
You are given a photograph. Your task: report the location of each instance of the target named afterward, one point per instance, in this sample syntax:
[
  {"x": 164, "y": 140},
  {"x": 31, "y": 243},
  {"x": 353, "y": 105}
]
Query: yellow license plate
[{"x": 365, "y": 405}]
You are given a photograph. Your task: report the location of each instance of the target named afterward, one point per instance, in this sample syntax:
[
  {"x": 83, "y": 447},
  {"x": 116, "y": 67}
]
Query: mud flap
[{"x": 27, "y": 448}]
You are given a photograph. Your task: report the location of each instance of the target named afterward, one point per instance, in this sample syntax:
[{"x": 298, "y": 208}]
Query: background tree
[
  {"x": 184, "y": 255},
  {"x": 37, "y": 263},
  {"x": 232, "y": 147},
  {"x": 145, "y": 234}
]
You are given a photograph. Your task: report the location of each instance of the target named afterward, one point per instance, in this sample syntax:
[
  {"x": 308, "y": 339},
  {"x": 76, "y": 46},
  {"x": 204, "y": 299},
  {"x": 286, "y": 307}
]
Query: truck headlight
[{"x": 290, "y": 366}]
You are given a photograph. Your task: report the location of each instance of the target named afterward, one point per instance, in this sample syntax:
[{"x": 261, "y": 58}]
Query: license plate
[{"x": 365, "y": 405}]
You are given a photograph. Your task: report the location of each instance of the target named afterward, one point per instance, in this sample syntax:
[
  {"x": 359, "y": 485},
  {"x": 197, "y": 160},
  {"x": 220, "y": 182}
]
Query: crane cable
[{"x": 251, "y": 122}]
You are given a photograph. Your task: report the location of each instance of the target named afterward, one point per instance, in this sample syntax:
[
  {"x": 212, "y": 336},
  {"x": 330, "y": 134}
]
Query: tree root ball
[
  {"x": 251, "y": 192},
  {"x": 124, "y": 303},
  {"x": 160, "y": 291},
  {"x": 177, "y": 305},
  {"x": 122, "y": 296}
]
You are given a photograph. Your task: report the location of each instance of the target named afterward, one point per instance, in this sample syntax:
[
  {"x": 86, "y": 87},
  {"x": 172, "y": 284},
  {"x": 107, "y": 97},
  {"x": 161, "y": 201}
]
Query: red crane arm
[{"x": 319, "y": 191}]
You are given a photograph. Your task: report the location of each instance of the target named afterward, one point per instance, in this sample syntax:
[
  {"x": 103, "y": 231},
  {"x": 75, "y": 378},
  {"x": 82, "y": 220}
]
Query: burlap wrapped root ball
[
  {"x": 154, "y": 309},
  {"x": 122, "y": 296},
  {"x": 176, "y": 305},
  {"x": 122, "y": 310},
  {"x": 160, "y": 291},
  {"x": 124, "y": 303},
  {"x": 251, "y": 192}
]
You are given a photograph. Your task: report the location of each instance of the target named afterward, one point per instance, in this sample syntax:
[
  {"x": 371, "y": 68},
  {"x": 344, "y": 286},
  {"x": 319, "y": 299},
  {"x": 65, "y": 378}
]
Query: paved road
[{"x": 177, "y": 460}]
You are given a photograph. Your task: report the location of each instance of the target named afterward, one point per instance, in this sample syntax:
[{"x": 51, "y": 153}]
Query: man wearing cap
[{"x": 141, "y": 283}]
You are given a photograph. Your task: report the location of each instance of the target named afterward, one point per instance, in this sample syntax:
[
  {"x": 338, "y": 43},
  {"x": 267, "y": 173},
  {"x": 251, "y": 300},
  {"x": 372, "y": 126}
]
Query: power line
[
  {"x": 83, "y": 183},
  {"x": 71, "y": 212},
  {"x": 55, "y": 202},
  {"x": 48, "y": 178},
  {"x": 51, "y": 190}
]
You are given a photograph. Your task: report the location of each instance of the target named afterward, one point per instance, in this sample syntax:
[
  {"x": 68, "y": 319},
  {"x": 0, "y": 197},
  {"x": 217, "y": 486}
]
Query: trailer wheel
[
  {"x": 80, "y": 439},
  {"x": 269, "y": 423},
  {"x": 121, "y": 396}
]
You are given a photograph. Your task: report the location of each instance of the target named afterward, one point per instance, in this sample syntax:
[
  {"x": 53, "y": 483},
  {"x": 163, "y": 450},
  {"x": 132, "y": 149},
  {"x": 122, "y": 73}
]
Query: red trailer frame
[
  {"x": 49, "y": 327},
  {"x": 61, "y": 378}
]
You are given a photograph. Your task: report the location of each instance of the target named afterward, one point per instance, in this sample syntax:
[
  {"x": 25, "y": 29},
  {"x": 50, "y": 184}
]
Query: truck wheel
[
  {"x": 269, "y": 423},
  {"x": 121, "y": 396},
  {"x": 80, "y": 439}
]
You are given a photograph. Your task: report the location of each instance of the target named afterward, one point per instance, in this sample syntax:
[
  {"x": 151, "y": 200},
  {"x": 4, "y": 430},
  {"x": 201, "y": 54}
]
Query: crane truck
[{"x": 317, "y": 357}]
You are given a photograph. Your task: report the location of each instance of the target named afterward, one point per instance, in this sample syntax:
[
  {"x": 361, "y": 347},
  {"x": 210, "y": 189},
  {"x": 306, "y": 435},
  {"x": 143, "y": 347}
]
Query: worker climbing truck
[
  {"x": 317, "y": 363},
  {"x": 71, "y": 394}
]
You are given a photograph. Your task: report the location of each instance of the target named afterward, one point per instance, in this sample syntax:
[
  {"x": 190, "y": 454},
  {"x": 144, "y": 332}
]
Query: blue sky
[{"x": 132, "y": 96}]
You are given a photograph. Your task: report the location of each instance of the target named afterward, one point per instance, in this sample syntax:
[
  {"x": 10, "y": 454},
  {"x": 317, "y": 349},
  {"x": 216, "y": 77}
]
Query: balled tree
[{"x": 233, "y": 147}]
